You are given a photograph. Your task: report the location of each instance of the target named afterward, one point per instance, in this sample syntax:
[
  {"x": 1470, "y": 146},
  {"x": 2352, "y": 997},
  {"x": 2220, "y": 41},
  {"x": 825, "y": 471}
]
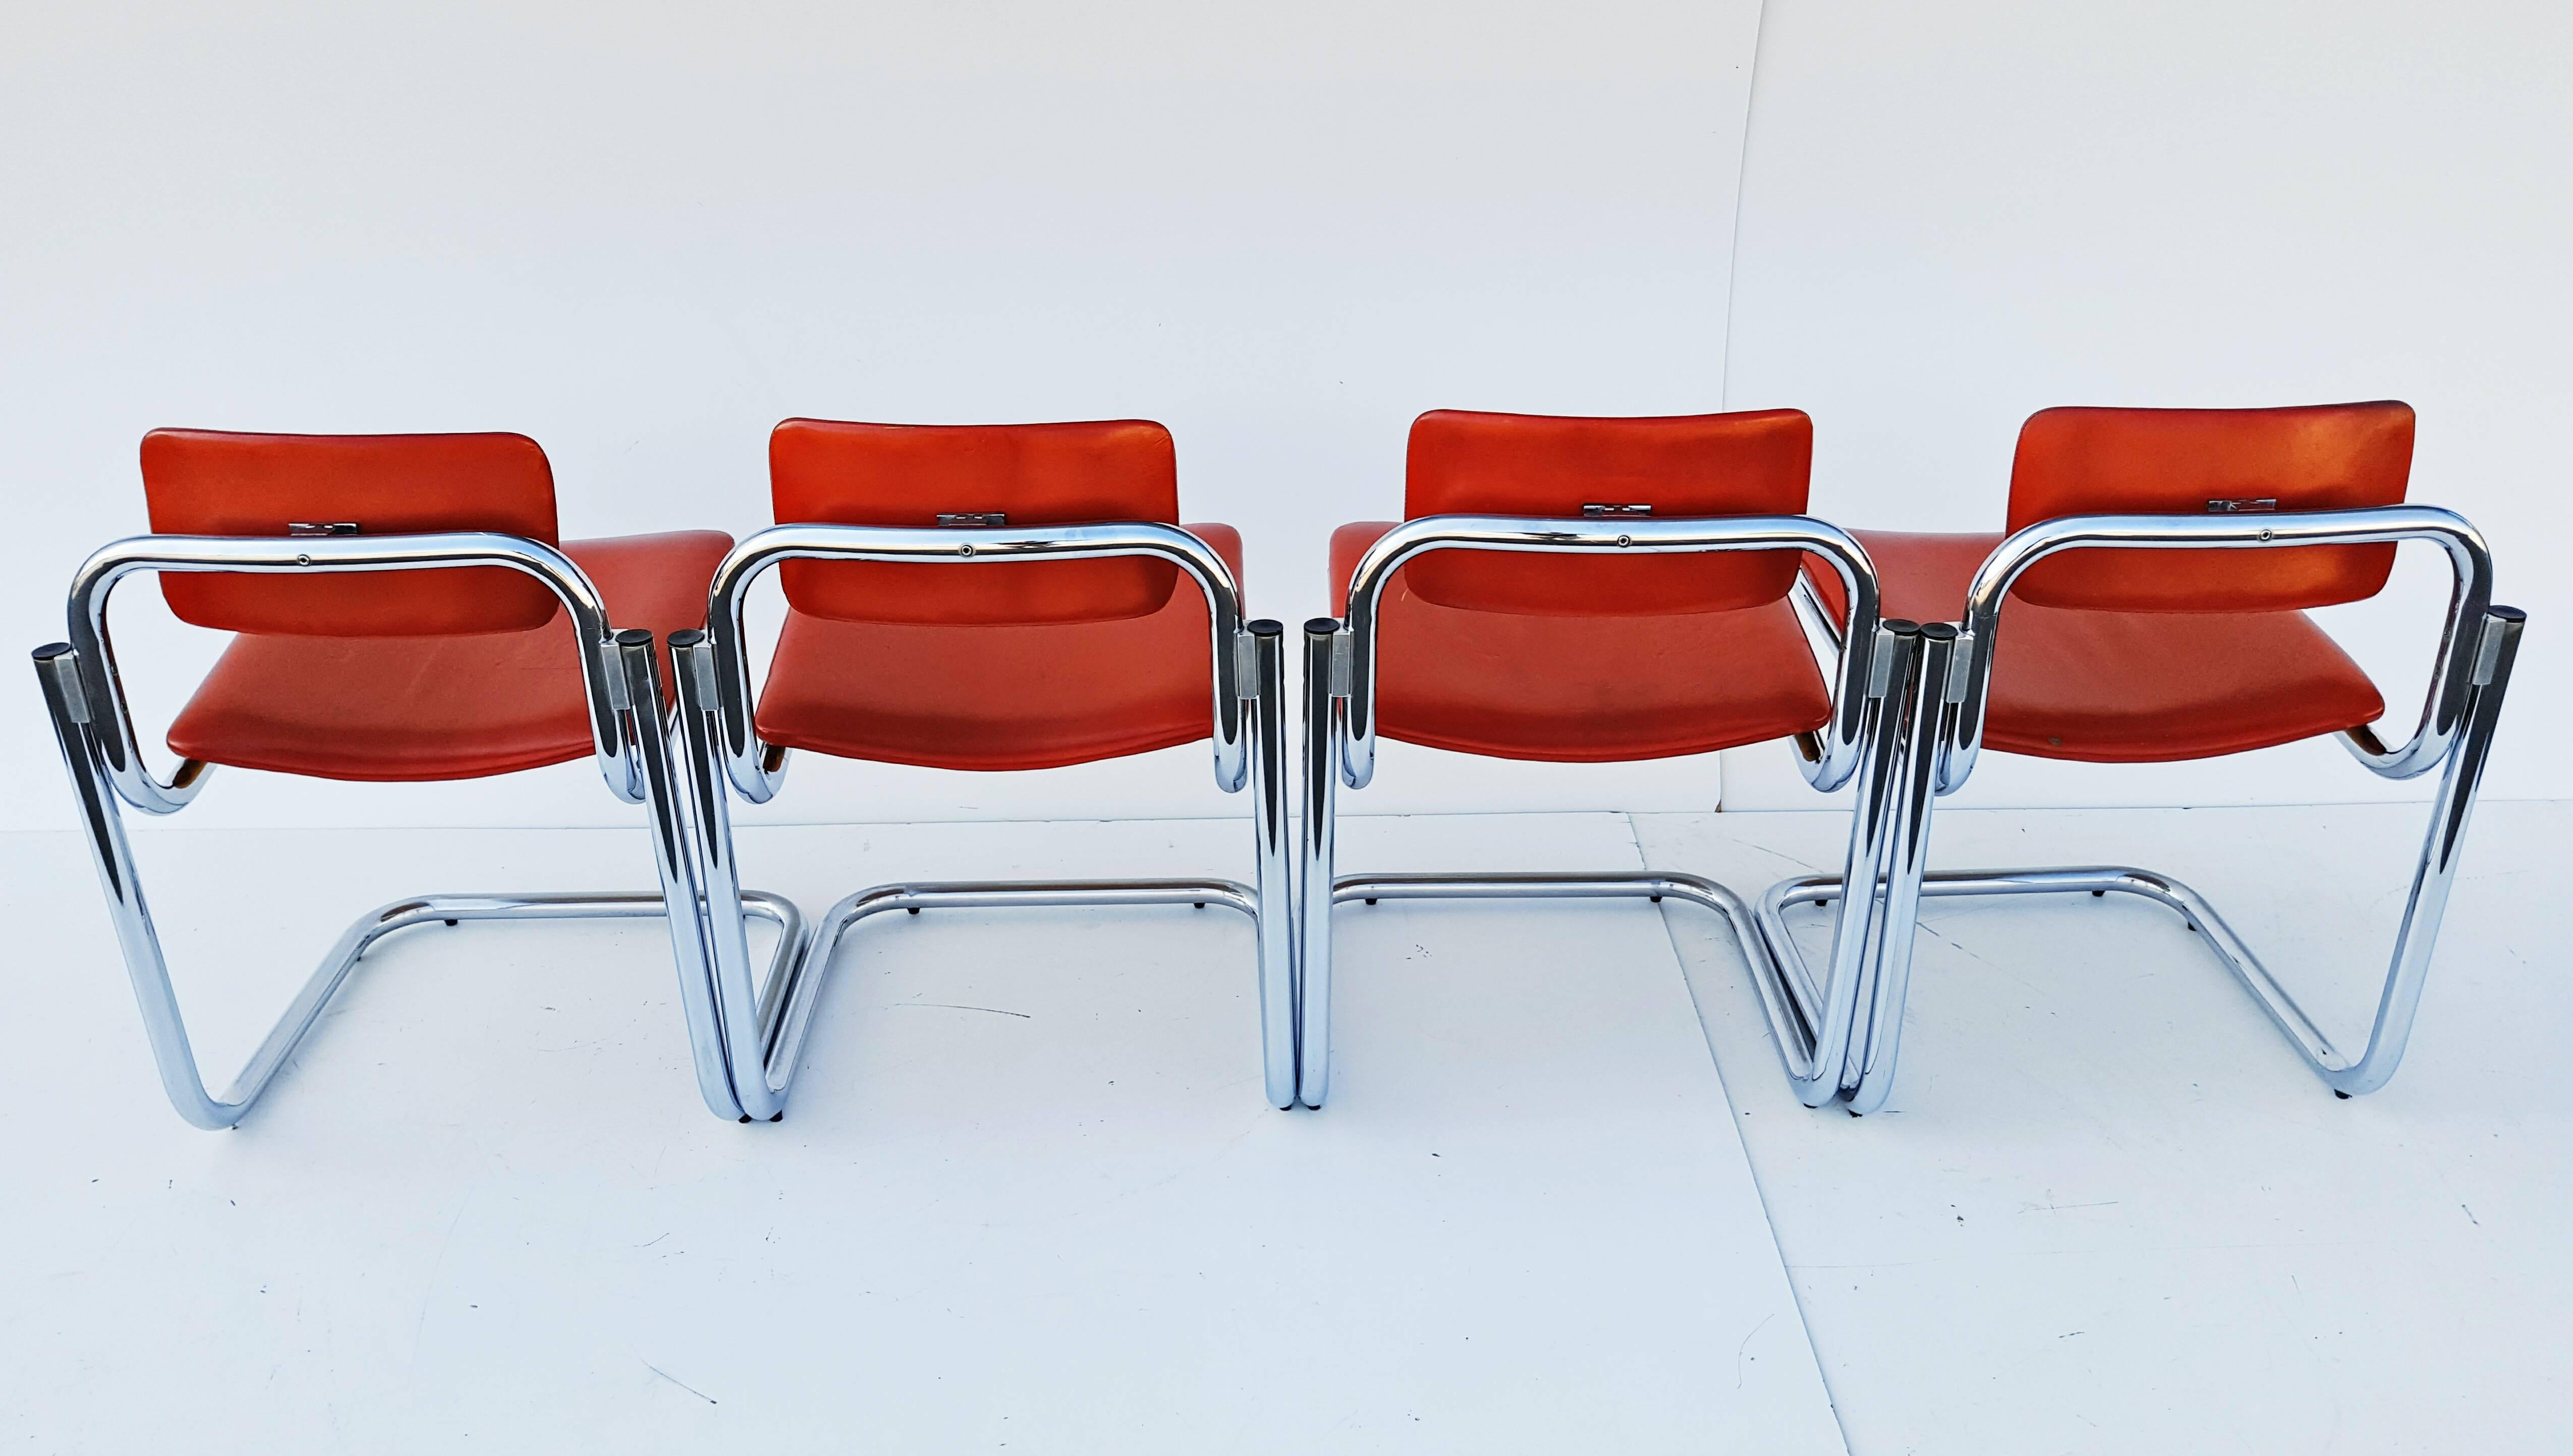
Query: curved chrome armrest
[
  {"x": 756, "y": 769},
  {"x": 1850, "y": 677},
  {"x": 112, "y": 721},
  {"x": 2451, "y": 678}
]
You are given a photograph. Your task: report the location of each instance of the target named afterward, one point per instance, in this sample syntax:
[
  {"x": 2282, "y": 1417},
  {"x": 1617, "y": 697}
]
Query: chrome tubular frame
[
  {"x": 94, "y": 727},
  {"x": 756, "y": 769},
  {"x": 762, "y": 1025},
  {"x": 2451, "y": 676},
  {"x": 1869, "y": 664},
  {"x": 2471, "y": 673}
]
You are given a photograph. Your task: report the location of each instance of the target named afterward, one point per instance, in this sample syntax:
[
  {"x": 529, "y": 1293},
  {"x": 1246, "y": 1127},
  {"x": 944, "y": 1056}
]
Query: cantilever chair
[
  {"x": 470, "y": 645},
  {"x": 979, "y": 597},
  {"x": 2174, "y": 628},
  {"x": 1593, "y": 590}
]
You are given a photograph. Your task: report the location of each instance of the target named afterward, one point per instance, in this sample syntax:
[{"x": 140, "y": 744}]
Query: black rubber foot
[
  {"x": 2096, "y": 894},
  {"x": 1370, "y": 902},
  {"x": 745, "y": 1116},
  {"x": 912, "y": 909},
  {"x": 1855, "y": 1112},
  {"x": 776, "y": 1117},
  {"x": 1657, "y": 900},
  {"x": 1197, "y": 904},
  {"x": 450, "y": 922},
  {"x": 2344, "y": 1097}
]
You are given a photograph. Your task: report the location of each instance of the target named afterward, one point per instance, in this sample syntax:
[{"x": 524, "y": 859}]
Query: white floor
[
  {"x": 2108, "y": 1211},
  {"x": 1028, "y": 1196}
]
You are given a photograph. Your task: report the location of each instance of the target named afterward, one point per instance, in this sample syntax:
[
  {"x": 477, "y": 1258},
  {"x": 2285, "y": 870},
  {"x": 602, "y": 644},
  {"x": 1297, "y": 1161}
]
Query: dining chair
[
  {"x": 985, "y": 598},
  {"x": 402, "y": 610},
  {"x": 2153, "y": 578},
  {"x": 1576, "y": 589}
]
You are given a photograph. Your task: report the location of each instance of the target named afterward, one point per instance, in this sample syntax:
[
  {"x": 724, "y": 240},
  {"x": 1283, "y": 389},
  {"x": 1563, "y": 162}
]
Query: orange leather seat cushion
[
  {"x": 1582, "y": 690},
  {"x": 997, "y": 696},
  {"x": 458, "y": 707},
  {"x": 2128, "y": 687}
]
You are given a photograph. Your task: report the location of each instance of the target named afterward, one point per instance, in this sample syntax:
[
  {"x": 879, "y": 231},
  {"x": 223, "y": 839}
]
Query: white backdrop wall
[
  {"x": 643, "y": 234},
  {"x": 1955, "y": 214}
]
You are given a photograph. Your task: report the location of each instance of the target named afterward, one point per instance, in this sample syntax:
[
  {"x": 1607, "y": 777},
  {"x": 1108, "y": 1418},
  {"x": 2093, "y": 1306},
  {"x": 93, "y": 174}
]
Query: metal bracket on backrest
[
  {"x": 973, "y": 517},
  {"x": 1961, "y": 670},
  {"x": 1343, "y": 655},
  {"x": 321, "y": 528},
  {"x": 1880, "y": 662},
  {"x": 1592, "y": 510},
  {"x": 1245, "y": 666},
  {"x": 2488, "y": 651},
  {"x": 2241, "y": 503}
]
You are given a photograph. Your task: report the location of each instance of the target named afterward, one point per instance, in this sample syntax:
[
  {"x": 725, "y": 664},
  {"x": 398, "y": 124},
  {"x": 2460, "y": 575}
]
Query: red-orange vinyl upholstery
[
  {"x": 998, "y": 696},
  {"x": 1593, "y": 689},
  {"x": 2127, "y": 687},
  {"x": 421, "y": 707},
  {"x": 1470, "y": 462},
  {"x": 853, "y": 473},
  {"x": 2147, "y": 657},
  {"x": 2092, "y": 461},
  {"x": 1583, "y": 659},
  {"x": 217, "y": 482}
]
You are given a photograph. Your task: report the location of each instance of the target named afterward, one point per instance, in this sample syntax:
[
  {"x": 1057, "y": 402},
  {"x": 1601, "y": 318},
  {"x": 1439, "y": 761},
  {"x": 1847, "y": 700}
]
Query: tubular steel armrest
[
  {"x": 111, "y": 721},
  {"x": 756, "y": 769},
  {"x": 2453, "y": 677},
  {"x": 1841, "y": 745}
]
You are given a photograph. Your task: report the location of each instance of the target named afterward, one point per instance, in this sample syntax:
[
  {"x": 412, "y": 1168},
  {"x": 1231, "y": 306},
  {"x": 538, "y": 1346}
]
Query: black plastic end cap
[
  {"x": 2506, "y": 613},
  {"x": 1321, "y": 626},
  {"x": 1902, "y": 626},
  {"x": 687, "y": 637},
  {"x": 1266, "y": 627},
  {"x": 51, "y": 650},
  {"x": 634, "y": 637},
  {"x": 1938, "y": 631}
]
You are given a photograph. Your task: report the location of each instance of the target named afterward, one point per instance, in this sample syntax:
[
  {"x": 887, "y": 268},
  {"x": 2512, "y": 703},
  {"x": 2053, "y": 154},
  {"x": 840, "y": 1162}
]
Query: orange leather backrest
[
  {"x": 1033, "y": 475},
  {"x": 2080, "y": 462},
  {"x": 208, "y": 483},
  {"x": 1756, "y": 462}
]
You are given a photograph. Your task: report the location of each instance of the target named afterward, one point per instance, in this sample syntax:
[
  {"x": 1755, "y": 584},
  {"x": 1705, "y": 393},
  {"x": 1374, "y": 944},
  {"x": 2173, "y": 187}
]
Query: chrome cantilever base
[
  {"x": 97, "y": 798},
  {"x": 2338, "y": 1071},
  {"x": 169, "y": 1033},
  {"x": 2192, "y": 908},
  {"x": 760, "y": 1028},
  {"x": 1879, "y": 1017},
  {"x": 1786, "y": 995},
  {"x": 787, "y": 1000},
  {"x": 1873, "y": 671}
]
